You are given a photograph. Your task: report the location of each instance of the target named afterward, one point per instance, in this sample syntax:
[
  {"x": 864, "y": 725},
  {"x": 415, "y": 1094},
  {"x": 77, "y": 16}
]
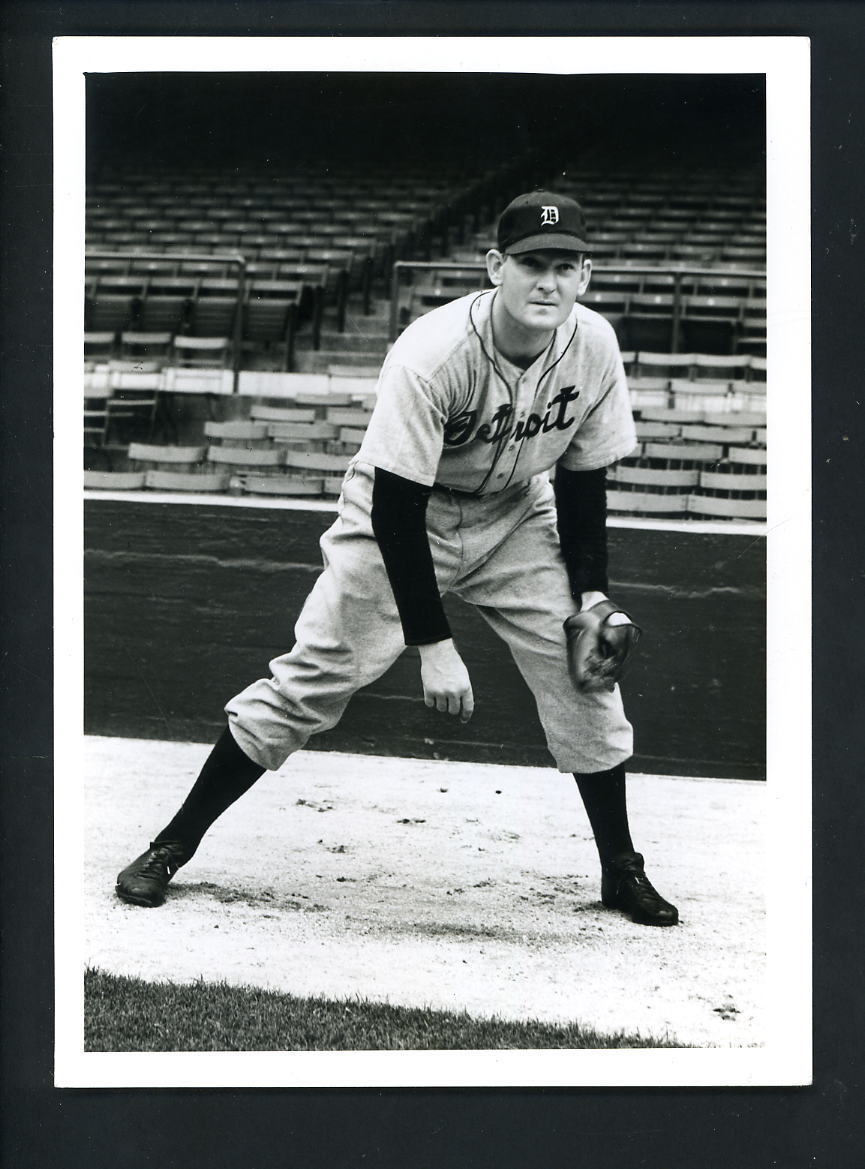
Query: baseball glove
[{"x": 598, "y": 650}]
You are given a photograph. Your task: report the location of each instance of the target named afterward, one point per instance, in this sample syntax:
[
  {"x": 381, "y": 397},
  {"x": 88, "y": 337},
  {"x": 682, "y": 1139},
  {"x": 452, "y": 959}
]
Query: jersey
[{"x": 452, "y": 411}]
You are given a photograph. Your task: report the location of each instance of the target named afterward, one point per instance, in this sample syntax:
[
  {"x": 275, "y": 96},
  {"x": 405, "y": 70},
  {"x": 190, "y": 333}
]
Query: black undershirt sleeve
[
  {"x": 581, "y": 504},
  {"x": 399, "y": 525}
]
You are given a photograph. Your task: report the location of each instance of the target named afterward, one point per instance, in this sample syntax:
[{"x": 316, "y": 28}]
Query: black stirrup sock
[
  {"x": 603, "y": 795},
  {"x": 227, "y": 773}
]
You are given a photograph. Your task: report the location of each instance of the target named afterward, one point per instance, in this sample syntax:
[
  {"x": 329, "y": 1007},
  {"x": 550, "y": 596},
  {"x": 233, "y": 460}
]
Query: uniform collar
[{"x": 481, "y": 317}]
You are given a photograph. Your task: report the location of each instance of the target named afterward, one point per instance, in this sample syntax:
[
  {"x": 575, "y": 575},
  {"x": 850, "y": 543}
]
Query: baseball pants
[{"x": 500, "y": 553}]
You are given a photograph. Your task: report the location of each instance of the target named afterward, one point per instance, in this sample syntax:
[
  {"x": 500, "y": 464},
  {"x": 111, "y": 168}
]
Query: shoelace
[
  {"x": 641, "y": 881},
  {"x": 160, "y": 864}
]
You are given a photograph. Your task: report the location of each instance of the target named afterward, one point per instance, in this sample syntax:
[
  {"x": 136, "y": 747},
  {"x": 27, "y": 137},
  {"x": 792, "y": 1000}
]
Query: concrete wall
[{"x": 185, "y": 604}]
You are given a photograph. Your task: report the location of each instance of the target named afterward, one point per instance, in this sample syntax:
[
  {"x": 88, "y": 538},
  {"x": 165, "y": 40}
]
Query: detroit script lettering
[{"x": 462, "y": 427}]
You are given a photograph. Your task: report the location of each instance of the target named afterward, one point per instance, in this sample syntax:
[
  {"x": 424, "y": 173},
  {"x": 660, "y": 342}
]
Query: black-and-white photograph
[{"x": 427, "y": 704}]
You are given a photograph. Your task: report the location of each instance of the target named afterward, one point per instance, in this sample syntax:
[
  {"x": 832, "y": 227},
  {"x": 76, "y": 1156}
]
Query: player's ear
[
  {"x": 495, "y": 263},
  {"x": 585, "y": 275}
]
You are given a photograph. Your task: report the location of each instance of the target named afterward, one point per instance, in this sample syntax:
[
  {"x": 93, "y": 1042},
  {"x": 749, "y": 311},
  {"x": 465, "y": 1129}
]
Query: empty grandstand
[{"x": 248, "y": 267}]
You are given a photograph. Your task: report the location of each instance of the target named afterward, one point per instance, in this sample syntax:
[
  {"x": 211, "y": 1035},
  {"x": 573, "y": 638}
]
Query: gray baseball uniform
[{"x": 453, "y": 413}]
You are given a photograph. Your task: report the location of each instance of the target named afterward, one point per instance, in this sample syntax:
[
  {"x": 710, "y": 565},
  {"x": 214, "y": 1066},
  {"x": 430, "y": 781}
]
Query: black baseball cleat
[
  {"x": 144, "y": 881},
  {"x": 624, "y": 885}
]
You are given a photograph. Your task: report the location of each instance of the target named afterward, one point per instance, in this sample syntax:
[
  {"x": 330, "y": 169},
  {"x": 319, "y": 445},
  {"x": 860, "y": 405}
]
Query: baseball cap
[{"x": 542, "y": 219}]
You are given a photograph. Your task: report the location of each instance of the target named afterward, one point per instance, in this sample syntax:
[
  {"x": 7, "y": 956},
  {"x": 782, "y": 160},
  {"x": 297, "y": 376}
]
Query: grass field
[{"x": 128, "y": 1014}]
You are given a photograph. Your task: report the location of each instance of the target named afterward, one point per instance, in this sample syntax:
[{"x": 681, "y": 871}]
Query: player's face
[{"x": 538, "y": 289}]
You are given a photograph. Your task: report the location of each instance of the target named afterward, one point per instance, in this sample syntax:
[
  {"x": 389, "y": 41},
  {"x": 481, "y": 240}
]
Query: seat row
[
  {"x": 653, "y": 321},
  {"x": 130, "y": 391},
  {"x": 719, "y": 494},
  {"x": 282, "y": 263},
  {"x": 688, "y": 505},
  {"x": 156, "y": 318},
  {"x": 686, "y": 462}
]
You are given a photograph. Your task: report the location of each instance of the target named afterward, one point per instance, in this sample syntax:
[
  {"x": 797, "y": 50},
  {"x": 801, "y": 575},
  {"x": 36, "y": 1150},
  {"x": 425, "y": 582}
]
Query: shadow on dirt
[{"x": 254, "y": 898}]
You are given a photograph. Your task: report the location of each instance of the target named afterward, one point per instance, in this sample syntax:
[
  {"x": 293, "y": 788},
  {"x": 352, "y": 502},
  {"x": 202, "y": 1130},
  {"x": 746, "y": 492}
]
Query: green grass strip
[{"x": 128, "y": 1014}]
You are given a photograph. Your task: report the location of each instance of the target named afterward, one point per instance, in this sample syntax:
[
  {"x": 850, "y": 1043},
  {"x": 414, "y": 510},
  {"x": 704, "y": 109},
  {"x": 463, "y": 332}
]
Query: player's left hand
[{"x": 599, "y": 642}]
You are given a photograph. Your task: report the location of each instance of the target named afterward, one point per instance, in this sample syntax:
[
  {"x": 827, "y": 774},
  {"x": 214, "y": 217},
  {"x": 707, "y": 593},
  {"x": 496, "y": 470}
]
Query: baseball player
[{"x": 478, "y": 401}]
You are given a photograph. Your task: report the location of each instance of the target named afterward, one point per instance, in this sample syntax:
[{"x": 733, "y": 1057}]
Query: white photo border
[{"x": 785, "y": 1059}]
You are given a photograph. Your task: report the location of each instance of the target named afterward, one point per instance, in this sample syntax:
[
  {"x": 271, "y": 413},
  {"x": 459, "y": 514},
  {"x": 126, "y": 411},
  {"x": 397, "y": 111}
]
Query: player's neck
[{"x": 521, "y": 346}]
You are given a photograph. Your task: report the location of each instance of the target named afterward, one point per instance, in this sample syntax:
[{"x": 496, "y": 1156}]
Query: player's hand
[{"x": 446, "y": 684}]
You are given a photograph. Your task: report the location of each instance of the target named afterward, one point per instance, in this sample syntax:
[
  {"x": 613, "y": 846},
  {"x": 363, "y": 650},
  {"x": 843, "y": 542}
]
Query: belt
[{"x": 459, "y": 494}]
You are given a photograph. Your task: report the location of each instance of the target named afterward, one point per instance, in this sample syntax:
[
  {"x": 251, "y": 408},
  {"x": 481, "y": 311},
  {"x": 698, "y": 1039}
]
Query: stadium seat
[
  {"x": 173, "y": 284},
  {"x": 134, "y": 400},
  {"x": 694, "y": 254},
  {"x": 752, "y": 338},
  {"x": 244, "y": 457},
  {"x": 113, "y": 284},
  {"x": 99, "y": 346},
  {"x": 155, "y": 456},
  {"x": 302, "y": 435},
  {"x": 672, "y": 364},
  {"x": 315, "y": 464},
  {"x": 757, "y": 369},
  {"x": 152, "y": 266},
  {"x": 278, "y": 256},
  {"x": 333, "y": 259},
  {"x": 145, "y": 346},
  {"x": 719, "y": 284},
  {"x": 356, "y": 416},
  {"x": 610, "y": 304},
  {"x": 662, "y": 480},
  {"x": 109, "y": 314},
  {"x": 95, "y": 266},
  {"x": 708, "y": 334},
  {"x": 648, "y": 392},
  {"x": 262, "y": 270},
  {"x": 113, "y": 480},
  {"x": 747, "y": 457},
  {"x": 671, "y": 414},
  {"x": 270, "y": 318},
  {"x": 649, "y": 322},
  {"x": 661, "y": 282},
  {"x": 730, "y": 481},
  {"x": 750, "y": 257},
  {"x": 262, "y": 413},
  {"x": 312, "y": 398},
  {"x": 96, "y": 415},
  {"x": 287, "y": 485},
  {"x": 721, "y": 507},
  {"x": 647, "y": 503},
  {"x": 200, "y": 352},
  {"x": 644, "y": 251},
  {"x": 698, "y": 432},
  {"x": 622, "y": 282},
  {"x": 710, "y": 364},
  {"x": 348, "y": 439},
  {"x": 252, "y": 433},
  {"x": 214, "y": 308},
  {"x": 205, "y": 268},
  {"x": 162, "y": 313},
  {"x": 652, "y": 430},
  {"x": 751, "y": 419},
  {"x": 672, "y": 452},
  {"x": 157, "y": 480},
  {"x": 749, "y": 396}
]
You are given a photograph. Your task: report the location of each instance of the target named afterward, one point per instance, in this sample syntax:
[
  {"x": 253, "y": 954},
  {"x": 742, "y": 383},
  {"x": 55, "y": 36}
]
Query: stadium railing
[{"x": 673, "y": 305}]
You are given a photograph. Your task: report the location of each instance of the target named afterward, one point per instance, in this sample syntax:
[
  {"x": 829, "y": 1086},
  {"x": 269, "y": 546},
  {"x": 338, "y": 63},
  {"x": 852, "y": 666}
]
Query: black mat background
[{"x": 819, "y": 1126}]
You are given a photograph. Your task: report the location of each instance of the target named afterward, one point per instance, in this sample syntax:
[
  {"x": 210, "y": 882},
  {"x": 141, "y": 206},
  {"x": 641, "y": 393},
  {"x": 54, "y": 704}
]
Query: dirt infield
[{"x": 452, "y": 885}]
